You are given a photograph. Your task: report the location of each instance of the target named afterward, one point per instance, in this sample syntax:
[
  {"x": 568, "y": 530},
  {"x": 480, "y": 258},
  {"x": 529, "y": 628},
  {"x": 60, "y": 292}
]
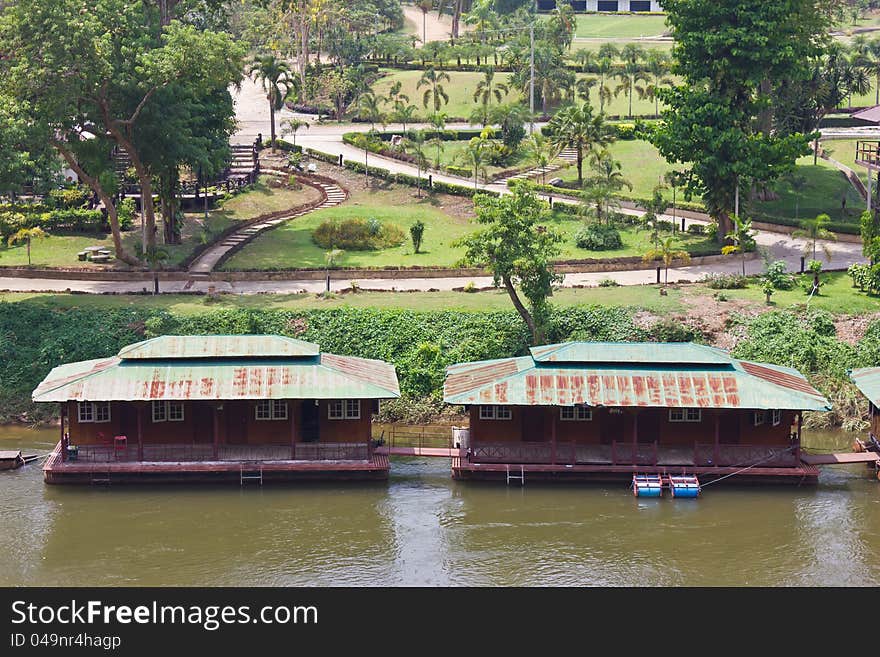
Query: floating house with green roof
[
  {"x": 606, "y": 411},
  {"x": 867, "y": 380},
  {"x": 241, "y": 408}
]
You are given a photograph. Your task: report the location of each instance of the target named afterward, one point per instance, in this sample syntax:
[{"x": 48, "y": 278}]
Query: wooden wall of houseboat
[
  {"x": 534, "y": 424},
  {"x": 236, "y": 424},
  {"x": 875, "y": 421}
]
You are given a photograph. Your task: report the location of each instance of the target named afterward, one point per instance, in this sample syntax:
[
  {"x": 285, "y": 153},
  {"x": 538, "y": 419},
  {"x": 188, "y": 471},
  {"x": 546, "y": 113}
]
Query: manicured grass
[
  {"x": 452, "y": 153},
  {"x": 844, "y": 151},
  {"x": 60, "y": 250},
  {"x": 291, "y": 245},
  {"x": 837, "y": 296},
  {"x": 619, "y": 26}
]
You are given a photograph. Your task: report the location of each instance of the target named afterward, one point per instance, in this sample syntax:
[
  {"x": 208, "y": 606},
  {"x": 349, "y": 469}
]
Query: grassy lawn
[
  {"x": 838, "y": 297},
  {"x": 597, "y": 26},
  {"x": 291, "y": 245},
  {"x": 60, "y": 250},
  {"x": 844, "y": 151},
  {"x": 462, "y": 85},
  {"x": 453, "y": 153}
]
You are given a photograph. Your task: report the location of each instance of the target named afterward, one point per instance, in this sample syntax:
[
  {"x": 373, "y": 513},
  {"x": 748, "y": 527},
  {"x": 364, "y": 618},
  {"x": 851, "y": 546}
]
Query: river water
[{"x": 422, "y": 528}]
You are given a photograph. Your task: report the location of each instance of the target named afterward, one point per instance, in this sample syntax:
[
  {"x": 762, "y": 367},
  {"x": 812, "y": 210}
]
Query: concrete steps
[{"x": 206, "y": 262}]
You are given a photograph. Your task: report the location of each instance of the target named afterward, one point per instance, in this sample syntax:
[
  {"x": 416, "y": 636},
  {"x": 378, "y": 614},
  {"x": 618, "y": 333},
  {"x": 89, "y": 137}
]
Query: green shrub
[
  {"x": 696, "y": 229},
  {"x": 416, "y": 233},
  {"x": 69, "y": 197},
  {"x": 608, "y": 282},
  {"x": 673, "y": 330},
  {"x": 357, "y": 235},
  {"x": 596, "y": 237},
  {"x": 777, "y": 276},
  {"x": 725, "y": 281},
  {"x": 455, "y": 170}
]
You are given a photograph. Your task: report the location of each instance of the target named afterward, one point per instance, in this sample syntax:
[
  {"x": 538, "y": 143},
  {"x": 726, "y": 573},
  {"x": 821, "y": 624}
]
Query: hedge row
[{"x": 78, "y": 221}]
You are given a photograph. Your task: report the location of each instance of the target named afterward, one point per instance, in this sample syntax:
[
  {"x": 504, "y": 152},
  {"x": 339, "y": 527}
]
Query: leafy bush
[
  {"x": 416, "y": 232},
  {"x": 696, "y": 229},
  {"x": 663, "y": 224},
  {"x": 608, "y": 282},
  {"x": 625, "y": 130},
  {"x": 777, "y": 276},
  {"x": 725, "y": 281},
  {"x": 72, "y": 220},
  {"x": 597, "y": 237},
  {"x": 673, "y": 330},
  {"x": 69, "y": 197},
  {"x": 357, "y": 235},
  {"x": 456, "y": 170}
]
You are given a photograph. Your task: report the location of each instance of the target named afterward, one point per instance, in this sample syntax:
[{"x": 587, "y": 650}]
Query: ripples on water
[{"x": 421, "y": 528}]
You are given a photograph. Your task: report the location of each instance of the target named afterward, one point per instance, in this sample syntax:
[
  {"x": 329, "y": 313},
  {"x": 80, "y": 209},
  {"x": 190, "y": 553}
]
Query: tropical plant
[
  {"x": 476, "y": 155},
  {"x": 414, "y": 145},
  {"x": 27, "y": 235},
  {"x": 273, "y": 74},
  {"x": 576, "y": 126},
  {"x": 295, "y": 124},
  {"x": 667, "y": 252},
  {"x": 332, "y": 258},
  {"x": 631, "y": 73},
  {"x": 434, "y": 94},
  {"x": 541, "y": 151},
  {"x": 438, "y": 123},
  {"x": 416, "y": 232},
  {"x": 425, "y": 6},
  {"x": 370, "y": 109},
  {"x": 741, "y": 235},
  {"x": 486, "y": 90},
  {"x": 814, "y": 230},
  {"x": 658, "y": 65},
  {"x": 601, "y": 188}
]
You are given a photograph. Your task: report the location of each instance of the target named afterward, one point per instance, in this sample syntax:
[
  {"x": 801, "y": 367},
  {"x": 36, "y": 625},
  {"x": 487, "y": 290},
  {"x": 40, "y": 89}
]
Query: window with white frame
[
  {"x": 344, "y": 409},
  {"x": 495, "y": 412},
  {"x": 574, "y": 413},
  {"x": 685, "y": 415},
  {"x": 167, "y": 411},
  {"x": 777, "y": 418},
  {"x": 271, "y": 409},
  {"x": 759, "y": 418},
  {"x": 93, "y": 412}
]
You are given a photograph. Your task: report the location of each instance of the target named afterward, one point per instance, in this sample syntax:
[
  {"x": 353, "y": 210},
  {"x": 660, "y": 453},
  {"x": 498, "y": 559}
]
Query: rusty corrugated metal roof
[
  {"x": 727, "y": 384},
  {"x": 219, "y": 346},
  {"x": 297, "y": 376},
  {"x": 867, "y": 380},
  {"x": 630, "y": 353}
]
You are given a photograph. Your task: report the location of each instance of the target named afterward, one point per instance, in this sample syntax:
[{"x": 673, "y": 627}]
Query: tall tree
[
  {"x": 576, "y": 126},
  {"x": 486, "y": 90},
  {"x": 518, "y": 248},
  {"x": 725, "y": 50},
  {"x": 273, "y": 76},
  {"x": 435, "y": 94}
]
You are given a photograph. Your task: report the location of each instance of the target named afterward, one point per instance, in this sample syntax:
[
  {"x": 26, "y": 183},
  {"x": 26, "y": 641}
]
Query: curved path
[{"x": 330, "y": 193}]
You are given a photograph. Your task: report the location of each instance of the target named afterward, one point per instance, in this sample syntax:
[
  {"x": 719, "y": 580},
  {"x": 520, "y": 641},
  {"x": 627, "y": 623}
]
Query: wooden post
[
  {"x": 552, "y": 435},
  {"x": 716, "y": 454},
  {"x": 216, "y": 433},
  {"x": 797, "y": 448},
  {"x": 140, "y": 431},
  {"x": 63, "y": 442},
  {"x": 292, "y": 432},
  {"x": 635, "y": 434}
]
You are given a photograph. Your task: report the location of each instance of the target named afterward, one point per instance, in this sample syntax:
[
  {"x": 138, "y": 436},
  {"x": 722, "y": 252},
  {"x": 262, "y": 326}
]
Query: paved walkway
[{"x": 206, "y": 262}]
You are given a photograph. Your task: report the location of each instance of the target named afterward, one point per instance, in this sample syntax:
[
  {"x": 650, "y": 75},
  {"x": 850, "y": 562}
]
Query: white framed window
[
  {"x": 494, "y": 412},
  {"x": 575, "y": 413},
  {"x": 759, "y": 418},
  {"x": 344, "y": 409},
  {"x": 685, "y": 415},
  {"x": 270, "y": 409},
  {"x": 170, "y": 411},
  {"x": 777, "y": 418},
  {"x": 93, "y": 412}
]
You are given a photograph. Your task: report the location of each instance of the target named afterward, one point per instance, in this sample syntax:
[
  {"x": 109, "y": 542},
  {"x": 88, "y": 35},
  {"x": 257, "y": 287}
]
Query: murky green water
[{"x": 421, "y": 528}]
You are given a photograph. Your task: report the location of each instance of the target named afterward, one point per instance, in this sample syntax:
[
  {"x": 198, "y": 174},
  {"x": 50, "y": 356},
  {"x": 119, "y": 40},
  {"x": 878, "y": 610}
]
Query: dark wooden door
[
  {"x": 613, "y": 427},
  {"x": 533, "y": 425},
  {"x": 649, "y": 425},
  {"x": 310, "y": 422}
]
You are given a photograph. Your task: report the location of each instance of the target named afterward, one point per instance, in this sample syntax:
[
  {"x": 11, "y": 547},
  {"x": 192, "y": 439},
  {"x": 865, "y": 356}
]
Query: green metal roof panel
[
  {"x": 630, "y": 352},
  {"x": 325, "y": 377},
  {"x": 867, "y": 380},
  {"x": 219, "y": 346},
  {"x": 524, "y": 381}
]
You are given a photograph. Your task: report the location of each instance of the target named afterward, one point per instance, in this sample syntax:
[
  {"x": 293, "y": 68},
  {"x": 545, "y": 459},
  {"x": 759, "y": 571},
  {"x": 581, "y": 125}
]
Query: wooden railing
[
  {"x": 867, "y": 152},
  {"x": 629, "y": 453},
  {"x": 205, "y": 452},
  {"x": 417, "y": 436}
]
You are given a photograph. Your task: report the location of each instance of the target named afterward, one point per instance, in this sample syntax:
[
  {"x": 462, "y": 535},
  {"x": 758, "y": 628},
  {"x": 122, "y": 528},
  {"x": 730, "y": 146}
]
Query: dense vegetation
[{"x": 420, "y": 344}]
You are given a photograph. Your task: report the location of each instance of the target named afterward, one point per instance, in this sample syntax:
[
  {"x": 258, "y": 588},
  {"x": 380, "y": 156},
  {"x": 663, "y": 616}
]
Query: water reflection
[{"x": 422, "y": 528}]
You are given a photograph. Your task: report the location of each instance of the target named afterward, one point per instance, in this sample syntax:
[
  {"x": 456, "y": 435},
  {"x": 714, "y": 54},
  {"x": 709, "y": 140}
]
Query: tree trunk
[
  {"x": 580, "y": 164},
  {"x": 537, "y": 337},
  {"x": 272, "y": 122},
  {"x": 725, "y": 226},
  {"x": 112, "y": 216}
]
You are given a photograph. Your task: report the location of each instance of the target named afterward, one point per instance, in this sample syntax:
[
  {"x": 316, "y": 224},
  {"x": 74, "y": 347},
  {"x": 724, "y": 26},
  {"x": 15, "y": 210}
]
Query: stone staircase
[
  {"x": 568, "y": 155},
  {"x": 243, "y": 160},
  {"x": 205, "y": 263}
]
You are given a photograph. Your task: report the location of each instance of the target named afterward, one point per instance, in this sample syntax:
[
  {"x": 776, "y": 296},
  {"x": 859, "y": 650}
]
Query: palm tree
[
  {"x": 541, "y": 151},
  {"x": 273, "y": 74},
  {"x": 658, "y": 73},
  {"x": 435, "y": 93},
  {"x": 438, "y": 123},
  {"x": 874, "y": 53},
  {"x": 666, "y": 252},
  {"x": 332, "y": 257},
  {"x": 27, "y": 235},
  {"x": 585, "y": 59},
  {"x": 814, "y": 230},
  {"x": 605, "y": 69},
  {"x": 630, "y": 74},
  {"x": 582, "y": 87},
  {"x": 602, "y": 187},
  {"x": 295, "y": 124},
  {"x": 425, "y": 6},
  {"x": 405, "y": 113},
  {"x": 415, "y": 146},
  {"x": 369, "y": 108},
  {"x": 741, "y": 235},
  {"x": 487, "y": 89},
  {"x": 475, "y": 155},
  {"x": 577, "y": 126}
]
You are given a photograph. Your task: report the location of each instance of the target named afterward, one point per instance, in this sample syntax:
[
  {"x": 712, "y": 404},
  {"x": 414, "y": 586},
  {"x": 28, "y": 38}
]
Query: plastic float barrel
[
  {"x": 687, "y": 487},
  {"x": 647, "y": 486}
]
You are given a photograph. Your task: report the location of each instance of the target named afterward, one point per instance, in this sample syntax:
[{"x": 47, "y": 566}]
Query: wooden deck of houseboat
[
  {"x": 620, "y": 460},
  {"x": 184, "y": 464}
]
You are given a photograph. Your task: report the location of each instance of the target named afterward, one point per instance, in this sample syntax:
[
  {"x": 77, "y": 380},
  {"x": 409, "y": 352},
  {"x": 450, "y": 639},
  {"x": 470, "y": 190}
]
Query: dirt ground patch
[
  {"x": 851, "y": 328},
  {"x": 711, "y": 316}
]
